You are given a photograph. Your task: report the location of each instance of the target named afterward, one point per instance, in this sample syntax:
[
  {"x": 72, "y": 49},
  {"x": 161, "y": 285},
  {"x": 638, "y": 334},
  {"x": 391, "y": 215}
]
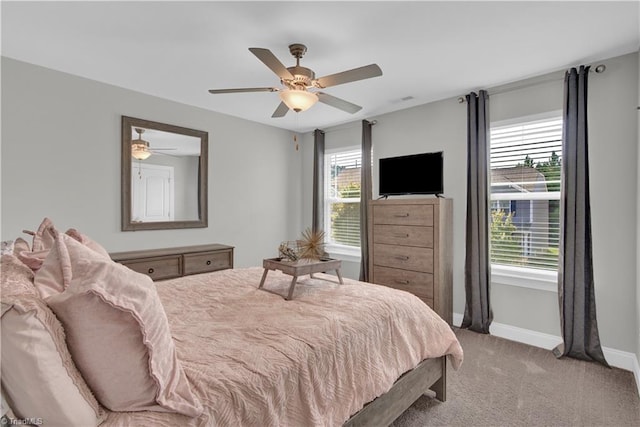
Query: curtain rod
[
  {"x": 348, "y": 126},
  {"x": 558, "y": 75}
]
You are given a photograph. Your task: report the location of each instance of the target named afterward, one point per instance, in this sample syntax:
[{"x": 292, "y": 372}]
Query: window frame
[
  {"x": 344, "y": 252},
  {"x": 532, "y": 278}
]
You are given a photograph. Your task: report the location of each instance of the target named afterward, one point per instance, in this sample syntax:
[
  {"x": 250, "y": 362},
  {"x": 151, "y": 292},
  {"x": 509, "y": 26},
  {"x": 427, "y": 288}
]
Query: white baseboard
[{"x": 617, "y": 358}]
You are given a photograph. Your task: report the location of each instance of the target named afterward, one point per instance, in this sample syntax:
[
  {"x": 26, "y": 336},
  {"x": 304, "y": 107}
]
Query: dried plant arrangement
[
  {"x": 312, "y": 244},
  {"x": 287, "y": 252}
]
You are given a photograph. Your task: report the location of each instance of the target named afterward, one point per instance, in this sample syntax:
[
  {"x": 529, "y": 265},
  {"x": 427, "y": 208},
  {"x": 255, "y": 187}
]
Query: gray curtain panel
[
  {"x": 317, "y": 222},
  {"x": 575, "y": 269},
  {"x": 477, "y": 310},
  {"x": 366, "y": 193}
]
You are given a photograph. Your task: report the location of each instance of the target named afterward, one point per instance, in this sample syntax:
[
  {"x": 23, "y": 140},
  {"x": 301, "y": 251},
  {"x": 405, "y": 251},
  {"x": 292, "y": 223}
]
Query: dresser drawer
[
  {"x": 403, "y": 257},
  {"x": 419, "y": 284},
  {"x": 403, "y": 215},
  {"x": 157, "y": 268},
  {"x": 405, "y": 235},
  {"x": 204, "y": 262}
]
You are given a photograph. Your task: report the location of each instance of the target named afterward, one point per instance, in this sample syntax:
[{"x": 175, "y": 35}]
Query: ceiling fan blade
[
  {"x": 164, "y": 154},
  {"x": 270, "y": 60},
  {"x": 339, "y": 103},
  {"x": 280, "y": 111},
  {"x": 245, "y": 89},
  {"x": 353, "y": 75}
]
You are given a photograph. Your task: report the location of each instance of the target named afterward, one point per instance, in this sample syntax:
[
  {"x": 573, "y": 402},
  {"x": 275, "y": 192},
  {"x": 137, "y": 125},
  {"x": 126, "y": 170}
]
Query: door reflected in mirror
[{"x": 164, "y": 176}]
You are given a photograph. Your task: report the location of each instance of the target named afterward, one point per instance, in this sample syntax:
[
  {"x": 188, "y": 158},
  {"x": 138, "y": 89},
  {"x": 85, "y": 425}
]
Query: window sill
[
  {"x": 344, "y": 253},
  {"x": 542, "y": 280}
]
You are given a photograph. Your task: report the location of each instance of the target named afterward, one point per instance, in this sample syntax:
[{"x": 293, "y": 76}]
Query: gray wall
[
  {"x": 614, "y": 188},
  {"x": 638, "y": 234},
  {"x": 61, "y": 159},
  {"x": 613, "y": 148}
]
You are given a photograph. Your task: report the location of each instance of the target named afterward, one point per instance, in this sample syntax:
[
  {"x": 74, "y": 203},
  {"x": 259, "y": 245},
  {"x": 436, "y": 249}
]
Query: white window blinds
[
  {"x": 342, "y": 204},
  {"x": 525, "y": 178}
]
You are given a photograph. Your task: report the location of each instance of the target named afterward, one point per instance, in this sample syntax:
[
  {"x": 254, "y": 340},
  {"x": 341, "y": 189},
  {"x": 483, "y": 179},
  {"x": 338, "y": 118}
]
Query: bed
[{"x": 351, "y": 354}]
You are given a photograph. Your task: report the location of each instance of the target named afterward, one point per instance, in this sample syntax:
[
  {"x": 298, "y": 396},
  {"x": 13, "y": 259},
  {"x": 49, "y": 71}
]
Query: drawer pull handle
[
  {"x": 403, "y": 236},
  {"x": 402, "y": 258},
  {"x": 208, "y": 262},
  {"x": 151, "y": 270},
  {"x": 402, "y": 282},
  {"x": 404, "y": 215}
]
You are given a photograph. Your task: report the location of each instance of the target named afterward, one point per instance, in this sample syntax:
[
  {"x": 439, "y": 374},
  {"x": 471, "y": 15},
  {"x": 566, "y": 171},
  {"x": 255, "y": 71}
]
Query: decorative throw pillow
[
  {"x": 117, "y": 332},
  {"x": 52, "y": 274},
  {"x": 20, "y": 245},
  {"x": 43, "y": 241},
  {"x": 85, "y": 240},
  {"x": 39, "y": 377}
]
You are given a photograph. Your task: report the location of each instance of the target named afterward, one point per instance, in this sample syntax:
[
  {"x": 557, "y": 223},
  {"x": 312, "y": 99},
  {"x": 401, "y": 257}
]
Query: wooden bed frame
[{"x": 430, "y": 374}]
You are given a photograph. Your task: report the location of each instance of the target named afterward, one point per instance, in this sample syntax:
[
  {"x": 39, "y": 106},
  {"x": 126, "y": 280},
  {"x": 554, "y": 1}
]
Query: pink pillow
[
  {"x": 17, "y": 279},
  {"x": 31, "y": 259},
  {"x": 117, "y": 331},
  {"x": 20, "y": 245},
  {"x": 85, "y": 240},
  {"x": 43, "y": 241},
  {"x": 39, "y": 377}
]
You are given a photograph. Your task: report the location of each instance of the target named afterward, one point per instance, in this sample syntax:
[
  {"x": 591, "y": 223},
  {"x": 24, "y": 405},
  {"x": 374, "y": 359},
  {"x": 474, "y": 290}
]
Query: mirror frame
[{"x": 127, "y": 225}]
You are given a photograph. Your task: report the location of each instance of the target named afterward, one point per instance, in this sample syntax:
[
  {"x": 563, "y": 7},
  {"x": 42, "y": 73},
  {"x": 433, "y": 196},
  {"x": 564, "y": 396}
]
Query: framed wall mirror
[{"x": 164, "y": 176}]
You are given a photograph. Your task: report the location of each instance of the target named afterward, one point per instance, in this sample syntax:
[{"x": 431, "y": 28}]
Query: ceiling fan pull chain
[{"x": 295, "y": 134}]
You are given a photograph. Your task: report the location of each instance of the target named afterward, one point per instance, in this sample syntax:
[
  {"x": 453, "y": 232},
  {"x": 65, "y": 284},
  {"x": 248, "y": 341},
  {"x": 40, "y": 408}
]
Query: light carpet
[{"x": 506, "y": 383}]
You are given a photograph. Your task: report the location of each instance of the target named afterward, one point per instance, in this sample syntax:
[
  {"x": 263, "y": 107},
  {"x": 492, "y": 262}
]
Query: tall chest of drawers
[{"x": 410, "y": 248}]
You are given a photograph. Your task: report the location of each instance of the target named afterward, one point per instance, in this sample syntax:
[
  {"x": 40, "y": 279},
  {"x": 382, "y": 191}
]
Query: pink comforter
[{"x": 255, "y": 359}]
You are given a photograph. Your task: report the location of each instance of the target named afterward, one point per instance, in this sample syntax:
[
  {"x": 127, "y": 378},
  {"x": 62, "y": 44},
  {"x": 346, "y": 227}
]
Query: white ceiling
[{"x": 427, "y": 50}]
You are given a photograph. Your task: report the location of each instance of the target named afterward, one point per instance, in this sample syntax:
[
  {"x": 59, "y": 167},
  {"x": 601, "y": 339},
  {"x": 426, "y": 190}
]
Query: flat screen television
[{"x": 413, "y": 174}]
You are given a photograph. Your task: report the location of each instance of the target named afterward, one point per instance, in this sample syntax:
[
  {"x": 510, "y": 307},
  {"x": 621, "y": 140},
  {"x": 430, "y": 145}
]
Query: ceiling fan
[
  {"x": 141, "y": 150},
  {"x": 297, "y": 81}
]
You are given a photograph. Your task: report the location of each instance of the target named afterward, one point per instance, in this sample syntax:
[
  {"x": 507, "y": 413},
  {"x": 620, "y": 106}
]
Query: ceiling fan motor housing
[{"x": 302, "y": 76}]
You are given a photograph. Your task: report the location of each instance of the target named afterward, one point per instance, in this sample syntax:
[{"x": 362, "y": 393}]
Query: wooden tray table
[{"x": 299, "y": 268}]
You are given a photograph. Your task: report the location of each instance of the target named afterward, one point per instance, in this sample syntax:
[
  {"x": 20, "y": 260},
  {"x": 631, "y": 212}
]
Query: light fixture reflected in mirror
[
  {"x": 298, "y": 100},
  {"x": 140, "y": 151},
  {"x": 140, "y": 147}
]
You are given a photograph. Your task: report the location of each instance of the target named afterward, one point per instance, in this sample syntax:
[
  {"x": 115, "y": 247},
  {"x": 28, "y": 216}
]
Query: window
[
  {"x": 526, "y": 160},
  {"x": 342, "y": 199}
]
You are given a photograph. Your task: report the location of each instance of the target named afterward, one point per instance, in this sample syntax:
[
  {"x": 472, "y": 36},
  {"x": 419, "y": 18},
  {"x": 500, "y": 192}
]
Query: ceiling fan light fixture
[
  {"x": 140, "y": 150},
  {"x": 298, "y": 100}
]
